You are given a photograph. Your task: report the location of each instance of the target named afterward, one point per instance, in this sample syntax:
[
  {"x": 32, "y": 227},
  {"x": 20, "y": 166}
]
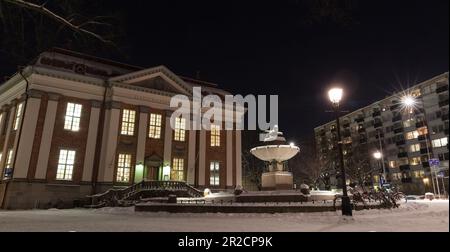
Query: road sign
[{"x": 434, "y": 162}]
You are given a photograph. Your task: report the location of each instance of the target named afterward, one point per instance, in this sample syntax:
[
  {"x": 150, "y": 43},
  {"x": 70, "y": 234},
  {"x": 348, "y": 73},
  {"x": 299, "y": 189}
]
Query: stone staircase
[{"x": 145, "y": 189}]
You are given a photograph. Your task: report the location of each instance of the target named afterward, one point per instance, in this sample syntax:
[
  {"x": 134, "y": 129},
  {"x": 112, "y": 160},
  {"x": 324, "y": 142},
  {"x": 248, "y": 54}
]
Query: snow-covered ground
[{"x": 412, "y": 216}]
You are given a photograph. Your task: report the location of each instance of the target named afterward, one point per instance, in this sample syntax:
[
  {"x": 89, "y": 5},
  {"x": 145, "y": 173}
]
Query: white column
[
  {"x": 229, "y": 173},
  {"x": 202, "y": 156},
  {"x": 91, "y": 140},
  {"x": 5, "y": 146},
  {"x": 27, "y": 137},
  {"x": 238, "y": 158},
  {"x": 109, "y": 145},
  {"x": 191, "y": 157},
  {"x": 47, "y": 135},
  {"x": 142, "y": 134},
  {"x": 168, "y": 140}
]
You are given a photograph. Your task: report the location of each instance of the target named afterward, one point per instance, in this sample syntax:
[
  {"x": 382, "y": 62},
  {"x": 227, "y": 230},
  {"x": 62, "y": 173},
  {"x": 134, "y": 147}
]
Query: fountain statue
[{"x": 275, "y": 152}]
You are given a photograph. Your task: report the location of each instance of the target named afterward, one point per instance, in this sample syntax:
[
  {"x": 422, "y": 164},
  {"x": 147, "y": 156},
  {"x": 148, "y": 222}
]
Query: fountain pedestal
[{"x": 277, "y": 180}]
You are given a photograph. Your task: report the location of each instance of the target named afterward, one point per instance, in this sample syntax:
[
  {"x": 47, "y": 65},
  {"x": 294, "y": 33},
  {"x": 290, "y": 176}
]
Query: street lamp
[
  {"x": 335, "y": 95},
  {"x": 410, "y": 103},
  {"x": 378, "y": 156}
]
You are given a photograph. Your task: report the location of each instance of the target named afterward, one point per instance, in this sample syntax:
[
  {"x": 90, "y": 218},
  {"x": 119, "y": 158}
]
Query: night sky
[{"x": 293, "y": 50}]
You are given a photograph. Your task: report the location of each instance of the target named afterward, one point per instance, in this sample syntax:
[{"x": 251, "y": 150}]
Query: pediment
[{"x": 158, "y": 83}]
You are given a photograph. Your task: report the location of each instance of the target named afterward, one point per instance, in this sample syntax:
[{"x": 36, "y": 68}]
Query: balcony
[
  {"x": 406, "y": 180},
  {"x": 445, "y": 117},
  {"x": 400, "y": 142},
  {"x": 423, "y": 151},
  {"x": 404, "y": 167},
  {"x": 402, "y": 154},
  {"x": 425, "y": 164},
  {"x": 420, "y": 124},
  {"x": 422, "y": 137},
  {"x": 396, "y": 118},
  {"x": 443, "y": 103},
  {"x": 395, "y": 106},
  {"x": 377, "y": 124},
  {"x": 359, "y": 119},
  {"x": 376, "y": 113},
  {"x": 398, "y": 130},
  {"x": 442, "y": 89}
]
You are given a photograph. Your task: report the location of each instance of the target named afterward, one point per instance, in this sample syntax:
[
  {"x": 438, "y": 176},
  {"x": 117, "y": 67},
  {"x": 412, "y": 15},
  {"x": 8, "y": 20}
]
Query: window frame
[
  {"x": 124, "y": 166},
  {"x": 72, "y": 121},
  {"x": 17, "y": 116},
  {"x": 177, "y": 168},
  {"x": 155, "y": 126},
  {"x": 214, "y": 173},
  {"x": 66, "y": 176},
  {"x": 215, "y": 135},
  {"x": 128, "y": 122},
  {"x": 180, "y": 129}
]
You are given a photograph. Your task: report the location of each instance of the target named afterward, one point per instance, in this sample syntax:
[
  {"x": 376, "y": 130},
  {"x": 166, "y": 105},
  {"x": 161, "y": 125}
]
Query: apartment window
[
  {"x": 414, "y": 147},
  {"x": 396, "y": 176},
  {"x": 443, "y": 156},
  {"x": 16, "y": 121},
  {"x": 215, "y": 135},
  {"x": 392, "y": 164},
  {"x": 128, "y": 120},
  {"x": 8, "y": 164},
  {"x": 155, "y": 126},
  {"x": 177, "y": 172},
  {"x": 214, "y": 173},
  {"x": 419, "y": 174},
  {"x": 441, "y": 142},
  {"x": 73, "y": 115},
  {"x": 123, "y": 168},
  {"x": 412, "y": 134},
  {"x": 408, "y": 123},
  {"x": 403, "y": 161},
  {"x": 414, "y": 161},
  {"x": 422, "y": 131},
  {"x": 66, "y": 162},
  {"x": 180, "y": 126}
]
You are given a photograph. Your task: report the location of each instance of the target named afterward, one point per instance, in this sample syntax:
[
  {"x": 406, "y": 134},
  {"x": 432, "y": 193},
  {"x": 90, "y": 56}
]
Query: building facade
[
  {"x": 72, "y": 125},
  {"x": 407, "y": 136}
]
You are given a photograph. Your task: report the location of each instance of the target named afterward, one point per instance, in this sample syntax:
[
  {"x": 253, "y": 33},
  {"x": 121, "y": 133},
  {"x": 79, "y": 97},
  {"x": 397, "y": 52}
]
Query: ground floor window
[
  {"x": 123, "y": 168},
  {"x": 177, "y": 171},
  {"x": 66, "y": 163},
  {"x": 8, "y": 165},
  {"x": 214, "y": 173}
]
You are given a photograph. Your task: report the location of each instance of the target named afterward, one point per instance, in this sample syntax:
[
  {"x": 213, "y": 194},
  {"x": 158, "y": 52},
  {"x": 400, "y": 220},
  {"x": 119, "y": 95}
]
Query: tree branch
[{"x": 41, "y": 9}]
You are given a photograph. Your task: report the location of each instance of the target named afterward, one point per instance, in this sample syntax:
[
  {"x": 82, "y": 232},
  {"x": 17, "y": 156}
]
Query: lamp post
[
  {"x": 378, "y": 156},
  {"x": 335, "y": 95}
]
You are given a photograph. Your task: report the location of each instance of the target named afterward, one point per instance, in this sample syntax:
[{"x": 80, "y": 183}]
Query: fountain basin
[{"x": 278, "y": 153}]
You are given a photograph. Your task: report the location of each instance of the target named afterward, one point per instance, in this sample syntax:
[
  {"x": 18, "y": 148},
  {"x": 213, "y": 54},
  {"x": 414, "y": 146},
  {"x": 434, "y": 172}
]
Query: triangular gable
[{"x": 155, "y": 78}]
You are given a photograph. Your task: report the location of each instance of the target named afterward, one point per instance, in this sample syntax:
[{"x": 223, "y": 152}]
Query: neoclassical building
[{"x": 72, "y": 124}]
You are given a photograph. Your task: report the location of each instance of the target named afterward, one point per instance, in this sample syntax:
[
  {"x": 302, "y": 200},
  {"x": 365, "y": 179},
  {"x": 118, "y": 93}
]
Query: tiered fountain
[{"x": 275, "y": 152}]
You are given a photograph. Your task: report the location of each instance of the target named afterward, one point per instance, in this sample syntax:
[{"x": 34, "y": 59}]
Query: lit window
[
  {"x": 177, "y": 171},
  {"x": 422, "y": 131},
  {"x": 215, "y": 135},
  {"x": 419, "y": 174},
  {"x": 8, "y": 165},
  {"x": 73, "y": 115},
  {"x": 123, "y": 168},
  {"x": 414, "y": 147},
  {"x": 214, "y": 173},
  {"x": 403, "y": 161},
  {"x": 392, "y": 164},
  {"x": 17, "y": 117},
  {"x": 155, "y": 126},
  {"x": 441, "y": 142},
  {"x": 180, "y": 126},
  {"x": 128, "y": 119},
  {"x": 66, "y": 162},
  {"x": 414, "y": 161},
  {"x": 412, "y": 134},
  {"x": 408, "y": 123}
]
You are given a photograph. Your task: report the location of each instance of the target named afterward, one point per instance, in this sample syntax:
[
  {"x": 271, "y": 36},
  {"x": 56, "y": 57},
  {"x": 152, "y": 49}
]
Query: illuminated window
[
  {"x": 441, "y": 142},
  {"x": 73, "y": 115},
  {"x": 8, "y": 164},
  {"x": 66, "y": 162},
  {"x": 415, "y": 93},
  {"x": 412, "y": 134},
  {"x": 408, "y": 123},
  {"x": 376, "y": 178},
  {"x": 422, "y": 131},
  {"x": 180, "y": 126},
  {"x": 403, "y": 161},
  {"x": 392, "y": 164},
  {"x": 128, "y": 119},
  {"x": 123, "y": 168},
  {"x": 414, "y": 161},
  {"x": 215, "y": 135},
  {"x": 419, "y": 174},
  {"x": 177, "y": 171},
  {"x": 16, "y": 121},
  {"x": 214, "y": 178},
  {"x": 414, "y": 147},
  {"x": 155, "y": 126}
]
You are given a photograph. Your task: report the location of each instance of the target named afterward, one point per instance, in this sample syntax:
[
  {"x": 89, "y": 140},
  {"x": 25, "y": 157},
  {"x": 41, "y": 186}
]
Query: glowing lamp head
[
  {"x": 377, "y": 155},
  {"x": 408, "y": 101},
  {"x": 335, "y": 95}
]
